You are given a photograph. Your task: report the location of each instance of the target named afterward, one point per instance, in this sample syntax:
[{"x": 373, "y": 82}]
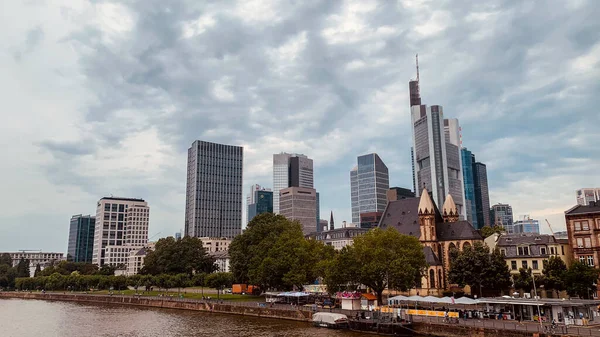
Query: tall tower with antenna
[{"x": 415, "y": 94}]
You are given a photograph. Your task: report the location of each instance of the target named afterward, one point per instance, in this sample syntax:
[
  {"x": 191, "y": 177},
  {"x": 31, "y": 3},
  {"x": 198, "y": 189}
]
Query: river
[{"x": 35, "y": 318}]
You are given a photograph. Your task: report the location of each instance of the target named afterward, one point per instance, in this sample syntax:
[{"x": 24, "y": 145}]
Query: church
[{"x": 439, "y": 232}]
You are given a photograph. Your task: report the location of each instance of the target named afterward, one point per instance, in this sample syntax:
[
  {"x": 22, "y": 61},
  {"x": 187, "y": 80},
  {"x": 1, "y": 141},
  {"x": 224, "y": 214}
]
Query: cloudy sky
[{"x": 105, "y": 97}]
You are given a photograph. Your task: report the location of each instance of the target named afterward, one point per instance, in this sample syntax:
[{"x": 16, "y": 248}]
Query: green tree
[
  {"x": 23, "y": 268},
  {"x": 385, "y": 258},
  {"x": 219, "y": 281},
  {"x": 180, "y": 281},
  {"x": 341, "y": 271},
  {"x": 185, "y": 256},
  {"x": 580, "y": 280},
  {"x": 555, "y": 272},
  {"x": 38, "y": 271},
  {"x": 479, "y": 268},
  {"x": 487, "y": 230},
  {"x": 523, "y": 280},
  {"x": 5, "y": 259}
]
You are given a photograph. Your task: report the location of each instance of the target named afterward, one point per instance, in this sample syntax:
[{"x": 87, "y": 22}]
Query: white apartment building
[
  {"x": 213, "y": 245},
  {"x": 35, "y": 257},
  {"x": 121, "y": 227}
]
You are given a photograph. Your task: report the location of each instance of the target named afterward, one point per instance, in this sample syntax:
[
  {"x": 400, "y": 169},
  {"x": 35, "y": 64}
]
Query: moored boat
[{"x": 330, "y": 320}]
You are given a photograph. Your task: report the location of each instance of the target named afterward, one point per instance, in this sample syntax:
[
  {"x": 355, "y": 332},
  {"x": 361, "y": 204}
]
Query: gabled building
[{"x": 439, "y": 232}]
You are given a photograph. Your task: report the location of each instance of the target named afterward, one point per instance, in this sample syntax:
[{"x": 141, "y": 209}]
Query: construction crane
[
  {"x": 549, "y": 226},
  {"x": 153, "y": 236}
]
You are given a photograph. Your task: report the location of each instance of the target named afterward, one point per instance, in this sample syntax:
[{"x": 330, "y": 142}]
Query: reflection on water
[{"x": 29, "y": 318}]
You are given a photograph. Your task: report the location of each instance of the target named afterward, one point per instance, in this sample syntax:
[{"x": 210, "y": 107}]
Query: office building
[
  {"x": 397, "y": 193},
  {"x": 121, "y": 226},
  {"x": 299, "y": 203},
  {"x": 369, "y": 183},
  {"x": 502, "y": 215},
  {"x": 370, "y": 219},
  {"x": 585, "y": 195},
  {"x": 468, "y": 179},
  {"x": 35, "y": 257},
  {"x": 436, "y": 153},
  {"x": 290, "y": 170},
  {"x": 526, "y": 225},
  {"x": 81, "y": 238},
  {"x": 178, "y": 235},
  {"x": 214, "y": 193},
  {"x": 482, "y": 196},
  {"x": 318, "y": 210},
  {"x": 260, "y": 201}
]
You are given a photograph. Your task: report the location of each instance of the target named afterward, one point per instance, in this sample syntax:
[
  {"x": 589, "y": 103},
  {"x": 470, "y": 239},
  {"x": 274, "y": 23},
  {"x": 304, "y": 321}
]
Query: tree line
[{"x": 8, "y": 273}]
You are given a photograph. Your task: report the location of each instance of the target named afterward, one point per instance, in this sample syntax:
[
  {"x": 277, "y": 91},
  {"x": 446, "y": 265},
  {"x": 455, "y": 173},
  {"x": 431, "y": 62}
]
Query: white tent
[{"x": 432, "y": 299}]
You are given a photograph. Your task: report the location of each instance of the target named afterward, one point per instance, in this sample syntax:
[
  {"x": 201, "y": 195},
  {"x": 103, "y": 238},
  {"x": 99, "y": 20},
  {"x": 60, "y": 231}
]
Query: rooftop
[
  {"x": 123, "y": 199},
  {"x": 593, "y": 207},
  {"x": 527, "y": 238}
]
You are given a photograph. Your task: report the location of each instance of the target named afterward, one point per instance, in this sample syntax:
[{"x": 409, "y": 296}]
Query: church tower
[
  {"x": 450, "y": 211},
  {"x": 427, "y": 218}
]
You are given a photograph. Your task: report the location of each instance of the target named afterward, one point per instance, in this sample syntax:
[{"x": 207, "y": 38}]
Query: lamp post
[{"x": 536, "y": 297}]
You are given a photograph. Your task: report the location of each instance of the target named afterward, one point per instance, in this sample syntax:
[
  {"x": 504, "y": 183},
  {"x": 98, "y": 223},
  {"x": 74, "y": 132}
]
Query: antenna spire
[{"x": 417, "y": 57}]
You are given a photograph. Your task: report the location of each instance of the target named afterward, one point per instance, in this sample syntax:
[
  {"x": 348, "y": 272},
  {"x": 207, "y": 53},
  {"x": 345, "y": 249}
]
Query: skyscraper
[
  {"x": 81, "y": 238},
  {"x": 121, "y": 226},
  {"x": 585, "y": 195},
  {"x": 299, "y": 203},
  {"x": 290, "y": 170},
  {"x": 369, "y": 183},
  {"x": 482, "y": 194},
  {"x": 260, "y": 201},
  {"x": 525, "y": 224},
  {"x": 502, "y": 215},
  {"x": 214, "y": 190},
  {"x": 470, "y": 203}
]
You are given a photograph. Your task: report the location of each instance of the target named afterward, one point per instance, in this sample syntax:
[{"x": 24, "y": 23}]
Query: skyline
[{"x": 106, "y": 98}]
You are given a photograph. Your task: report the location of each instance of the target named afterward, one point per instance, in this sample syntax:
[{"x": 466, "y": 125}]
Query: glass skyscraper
[
  {"x": 369, "y": 183},
  {"x": 214, "y": 190},
  {"x": 81, "y": 238},
  {"x": 262, "y": 202},
  {"x": 470, "y": 203},
  {"x": 482, "y": 194},
  {"x": 502, "y": 215}
]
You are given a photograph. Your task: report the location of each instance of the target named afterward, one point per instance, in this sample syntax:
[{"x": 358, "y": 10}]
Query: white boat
[{"x": 330, "y": 320}]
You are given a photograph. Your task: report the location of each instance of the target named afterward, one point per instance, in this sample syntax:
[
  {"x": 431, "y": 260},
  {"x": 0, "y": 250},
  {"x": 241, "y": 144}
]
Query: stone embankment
[{"x": 253, "y": 309}]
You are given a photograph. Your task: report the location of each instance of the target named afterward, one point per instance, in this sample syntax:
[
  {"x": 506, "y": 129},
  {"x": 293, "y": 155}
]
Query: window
[
  {"x": 552, "y": 251},
  {"x": 577, "y": 225},
  {"x": 543, "y": 250},
  {"x": 585, "y": 225},
  {"x": 503, "y": 252},
  {"x": 513, "y": 265},
  {"x": 587, "y": 242},
  {"x": 562, "y": 249},
  {"x": 524, "y": 264},
  {"x": 523, "y": 251},
  {"x": 534, "y": 264},
  {"x": 590, "y": 260},
  {"x": 582, "y": 259}
]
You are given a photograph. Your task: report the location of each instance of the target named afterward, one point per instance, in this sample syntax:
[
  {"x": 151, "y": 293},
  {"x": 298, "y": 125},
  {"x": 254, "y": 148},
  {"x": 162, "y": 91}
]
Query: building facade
[
  {"x": 299, "y": 203},
  {"x": 339, "y": 237},
  {"x": 526, "y": 225},
  {"x": 502, "y": 215},
  {"x": 214, "y": 190},
  {"x": 470, "y": 204},
  {"x": 260, "y": 201},
  {"x": 583, "y": 222},
  {"x": 322, "y": 225},
  {"x": 35, "y": 257},
  {"x": 221, "y": 260},
  {"x": 482, "y": 194},
  {"x": 529, "y": 250},
  {"x": 121, "y": 226},
  {"x": 439, "y": 233},
  {"x": 213, "y": 245},
  {"x": 585, "y": 195},
  {"x": 81, "y": 238},
  {"x": 397, "y": 193},
  {"x": 369, "y": 183},
  {"x": 290, "y": 170}
]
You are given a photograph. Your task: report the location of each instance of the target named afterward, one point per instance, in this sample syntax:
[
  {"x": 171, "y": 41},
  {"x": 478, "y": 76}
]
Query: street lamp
[{"x": 536, "y": 297}]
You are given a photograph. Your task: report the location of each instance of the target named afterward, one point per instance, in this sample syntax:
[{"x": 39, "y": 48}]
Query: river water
[{"x": 36, "y": 318}]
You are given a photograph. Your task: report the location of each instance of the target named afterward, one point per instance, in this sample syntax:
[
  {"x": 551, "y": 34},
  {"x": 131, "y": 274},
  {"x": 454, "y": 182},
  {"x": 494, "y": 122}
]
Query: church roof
[
  {"x": 430, "y": 257},
  {"x": 425, "y": 204},
  {"x": 449, "y": 206},
  {"x": 459, "y": 230}
]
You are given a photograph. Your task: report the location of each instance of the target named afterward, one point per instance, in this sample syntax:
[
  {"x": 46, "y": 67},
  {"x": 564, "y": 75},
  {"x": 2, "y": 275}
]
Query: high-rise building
[
  {"x": 290, "y": 170},
  {"x": 322, "y": 225},
  {"x": 526, "y": 225},
  {"x": 369, "y": 183},
  {"x": 502, "y": 215},
  {"x": 470, "y": 203},
  {"x": 436, "y": 152},
  {"x": 121, "y": 226},
  {"x": 299, "y": 203},
  {"x": 585, "y": 195},
  {"x": 260, "y": 201},
  {"x": 81, "y": 238},
  {"x": 397, "y": 193},
  {"x": 318, "y": 210},
  {"x": 214, "y": 190},
  {"x": 482, "y": 194}
]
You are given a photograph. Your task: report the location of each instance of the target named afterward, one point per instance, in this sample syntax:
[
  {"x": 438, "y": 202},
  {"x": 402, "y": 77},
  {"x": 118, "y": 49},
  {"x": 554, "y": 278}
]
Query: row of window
[
  {"x": 584, "y": 242},
  {"x": 587, "y": 259},
  {"x": 524, "y": 264},
  {"x": 584, "y": 225},
  {"x": 525, "y": 251}
]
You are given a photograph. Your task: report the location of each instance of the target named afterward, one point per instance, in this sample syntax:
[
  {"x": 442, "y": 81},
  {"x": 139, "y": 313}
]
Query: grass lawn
[{"x": 226, "y": 297}]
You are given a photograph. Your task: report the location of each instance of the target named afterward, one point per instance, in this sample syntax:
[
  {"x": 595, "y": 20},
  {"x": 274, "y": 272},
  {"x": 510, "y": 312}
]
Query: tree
[
  {"x": 341, "y": 272},
  {"x": 523, "y": 280},
  {"x": 487, "y": 230},
  {"x": 5, "y": 259},
  {"x": 219, "y": 281},
  {"x": 555, "y": 272},
  {"x": 185, "y": 256},
  {"x": 38, "y": 271},
  {"x": 383, "y": 258},
  {"x": 580, "y": 280},
  {"x": 477, "y": 267}
]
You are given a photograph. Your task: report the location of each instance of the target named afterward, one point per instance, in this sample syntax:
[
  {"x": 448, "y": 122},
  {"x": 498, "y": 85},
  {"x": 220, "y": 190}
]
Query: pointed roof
[
  {"x": 425, "y": 204},
  {"x": 331, "y": 227},
  {"x": 449, "y": 206}
]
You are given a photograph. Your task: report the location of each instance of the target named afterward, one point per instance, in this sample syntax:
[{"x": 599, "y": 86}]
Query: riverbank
[{"x": 426, "y": 328}]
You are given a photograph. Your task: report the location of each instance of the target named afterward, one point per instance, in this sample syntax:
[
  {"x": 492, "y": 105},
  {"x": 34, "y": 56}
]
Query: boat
[{"x": 330, "y": 320}]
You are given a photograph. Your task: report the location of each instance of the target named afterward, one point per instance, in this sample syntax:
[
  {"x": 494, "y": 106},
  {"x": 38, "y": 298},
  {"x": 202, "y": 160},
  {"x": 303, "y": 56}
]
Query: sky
[{"x": 104, "y": 98}]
